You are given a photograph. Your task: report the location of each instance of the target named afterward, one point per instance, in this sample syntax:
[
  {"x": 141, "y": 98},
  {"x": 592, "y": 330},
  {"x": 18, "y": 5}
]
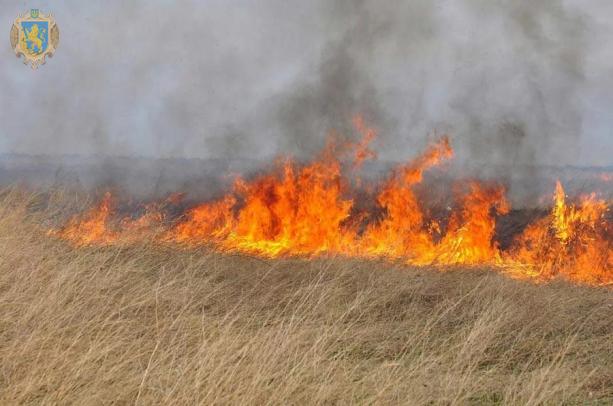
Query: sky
[{"x": 511, "y": 82}]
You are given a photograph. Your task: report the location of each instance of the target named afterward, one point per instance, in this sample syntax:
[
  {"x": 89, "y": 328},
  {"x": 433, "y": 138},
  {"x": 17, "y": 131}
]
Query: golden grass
[{"x": 150, "y": 325}]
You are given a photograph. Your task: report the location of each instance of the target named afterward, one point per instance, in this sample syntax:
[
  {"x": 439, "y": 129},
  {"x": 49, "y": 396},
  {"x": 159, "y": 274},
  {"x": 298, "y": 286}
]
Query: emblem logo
[{"x": 34, "y": 36}]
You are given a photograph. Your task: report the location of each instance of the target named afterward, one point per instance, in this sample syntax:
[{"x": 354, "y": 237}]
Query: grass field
[{"x": 146, "y": 324}]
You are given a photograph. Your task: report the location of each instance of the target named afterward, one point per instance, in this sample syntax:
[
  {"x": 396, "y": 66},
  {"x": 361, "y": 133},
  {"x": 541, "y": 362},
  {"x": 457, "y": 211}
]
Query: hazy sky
[{"x": 509, "y": 80}]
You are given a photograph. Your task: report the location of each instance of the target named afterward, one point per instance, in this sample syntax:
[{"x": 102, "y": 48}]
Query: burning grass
[
  {"x": 137, "y": 321},
  {"x": 311, "y": 210}
]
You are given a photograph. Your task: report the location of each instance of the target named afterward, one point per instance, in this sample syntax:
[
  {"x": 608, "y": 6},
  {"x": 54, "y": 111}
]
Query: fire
[
  {"x": 562, "y": 216},
  {"x": 606, "y": 176},
  {"x": 98, "y": 225},
  {"x": 402, "y": 232},
  {"x": 294, "y": 210},
  {"x": 311, "y": 210},
  {"x": 362, "y": 151},
  {"x": 92, "y": 227},
  {"x": 470, "y": 237},
  {"x": 574, "y": 241}
]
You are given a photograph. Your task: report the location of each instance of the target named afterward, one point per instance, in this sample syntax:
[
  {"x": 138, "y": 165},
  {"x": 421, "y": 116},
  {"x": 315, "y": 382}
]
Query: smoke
[
  {"x": 503, "y": 77},
  {"x": 514, "y": 83}
]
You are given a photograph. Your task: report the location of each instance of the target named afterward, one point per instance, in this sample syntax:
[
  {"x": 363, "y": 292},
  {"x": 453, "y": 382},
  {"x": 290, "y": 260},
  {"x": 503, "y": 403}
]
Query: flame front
[
  {"x": 92, "y": 227},
  {"x": 308, "y": 210},
  {"x": 574, "y": 241}
]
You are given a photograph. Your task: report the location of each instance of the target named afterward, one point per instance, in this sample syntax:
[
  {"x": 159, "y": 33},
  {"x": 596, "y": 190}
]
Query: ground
[{"x": 148, "y": 324}]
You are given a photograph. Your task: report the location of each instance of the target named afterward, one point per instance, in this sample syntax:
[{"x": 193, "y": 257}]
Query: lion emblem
[
  {"x": 34, "y": 36},
  {"x": 34, "y": 39}
]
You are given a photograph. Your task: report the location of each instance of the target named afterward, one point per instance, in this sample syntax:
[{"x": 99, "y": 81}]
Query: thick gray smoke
[
  {"x": 513, "y": 82},
  {"x": 505, "y": 78}
]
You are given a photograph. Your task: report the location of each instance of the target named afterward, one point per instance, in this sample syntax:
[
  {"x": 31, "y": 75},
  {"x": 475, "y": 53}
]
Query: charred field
[{"x": 109, "y": 297}]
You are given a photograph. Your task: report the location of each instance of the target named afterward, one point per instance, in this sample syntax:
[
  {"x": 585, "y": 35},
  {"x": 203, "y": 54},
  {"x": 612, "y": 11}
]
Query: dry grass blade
[{"x": 149, "y": 324}]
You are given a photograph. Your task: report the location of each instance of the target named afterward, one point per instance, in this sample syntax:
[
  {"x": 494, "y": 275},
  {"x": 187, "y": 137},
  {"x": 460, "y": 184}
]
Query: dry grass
[{"x": 147, "y": 325}]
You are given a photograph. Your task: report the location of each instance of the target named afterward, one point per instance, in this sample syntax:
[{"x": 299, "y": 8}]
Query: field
[{"x": 146, "y": 324}]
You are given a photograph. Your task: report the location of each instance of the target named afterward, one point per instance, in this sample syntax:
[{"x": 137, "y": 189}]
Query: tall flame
[
  {"x": 401, "y": 232},
  {"x": 574, "y": 241},
  {"x": 308, "y": 210},
  {"x": 470, "y": 236}
]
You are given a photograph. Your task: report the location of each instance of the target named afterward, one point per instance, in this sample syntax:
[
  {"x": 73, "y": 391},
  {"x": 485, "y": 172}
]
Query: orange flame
[
  {"x": 307, "y": 210},
  {"x": 606, "y": 176},
  {"x": 92, "y": 227},
  {"x": 362, "y": 151},
  {"x": 292, "y": 211},
  {"x": 401, "y": 232},
  {"x": 97, "y": 226},
  {"x": 574, "y": 241},
  {"x": 469, "y": 239}
]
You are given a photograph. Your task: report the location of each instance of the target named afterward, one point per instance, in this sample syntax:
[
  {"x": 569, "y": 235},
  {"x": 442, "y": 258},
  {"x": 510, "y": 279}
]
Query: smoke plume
[{"x": 513, "y": 83}]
